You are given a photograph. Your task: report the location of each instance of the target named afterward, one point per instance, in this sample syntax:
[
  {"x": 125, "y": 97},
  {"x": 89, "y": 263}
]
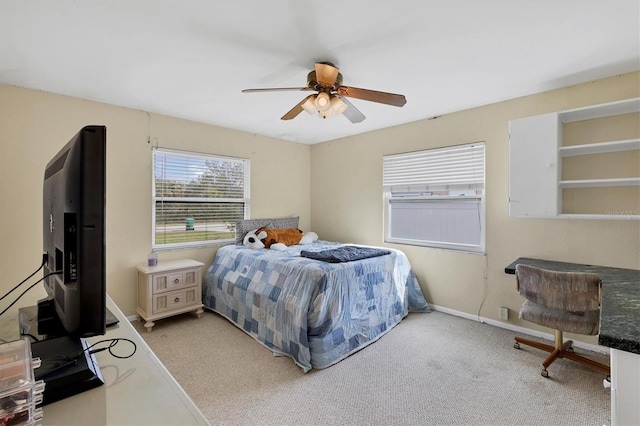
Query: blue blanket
[
  {"x": 344, "y": 254},
  {"x": 317, "y": 313}
]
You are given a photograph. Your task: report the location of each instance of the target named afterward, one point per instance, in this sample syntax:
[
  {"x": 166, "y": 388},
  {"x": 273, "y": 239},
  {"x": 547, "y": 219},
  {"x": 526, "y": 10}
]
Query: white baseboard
[{"x": 520, "y": 330}]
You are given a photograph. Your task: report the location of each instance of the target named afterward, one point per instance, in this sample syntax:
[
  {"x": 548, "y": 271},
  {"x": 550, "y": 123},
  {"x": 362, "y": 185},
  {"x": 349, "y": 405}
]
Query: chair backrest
[{"x": 569, "y": 291}]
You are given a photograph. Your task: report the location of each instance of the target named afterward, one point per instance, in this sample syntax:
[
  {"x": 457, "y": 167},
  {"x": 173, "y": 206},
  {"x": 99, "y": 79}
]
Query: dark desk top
[{"x": 620, "y": 304}]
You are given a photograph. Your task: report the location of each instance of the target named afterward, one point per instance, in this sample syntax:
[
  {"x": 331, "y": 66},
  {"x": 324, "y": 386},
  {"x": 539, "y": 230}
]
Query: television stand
[
  {"x": 67, "y": 368},
  {"x": 40, "y": 323}
]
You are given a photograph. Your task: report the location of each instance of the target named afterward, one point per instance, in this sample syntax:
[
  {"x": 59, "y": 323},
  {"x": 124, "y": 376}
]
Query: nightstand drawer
[
  {"x": 174, "y": 300},
  {"x": 173, "y": 280}
]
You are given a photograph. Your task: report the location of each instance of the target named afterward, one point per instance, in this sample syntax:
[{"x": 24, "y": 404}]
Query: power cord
[
  {"x": 113, "y": 343},
  {"x": 65, "y": 361},
  {"x": 485, "y": 290},
  {"x": 44, "y": 262},
  {"x": 28, "y": 288},
  {"x": 34, "y": 338}
]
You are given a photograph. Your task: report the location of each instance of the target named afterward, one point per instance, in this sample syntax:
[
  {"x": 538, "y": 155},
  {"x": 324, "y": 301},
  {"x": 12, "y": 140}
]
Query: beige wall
[
  {"x": 35, "y": 125},
  {"x": 347, "y": 203},
  {"x": 335, "y": 187}
]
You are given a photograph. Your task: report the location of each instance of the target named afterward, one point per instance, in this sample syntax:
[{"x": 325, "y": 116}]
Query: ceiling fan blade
[
  {"x": 372, "y": 96},
  {"x": 293, "y": 112},
  {"x": 276, "y": 89},
  {"x": 352, "y": 113},
  {"x": 326, "y": 74}
]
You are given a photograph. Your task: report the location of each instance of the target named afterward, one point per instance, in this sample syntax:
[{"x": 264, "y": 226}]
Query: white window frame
[
  {"x": 155, "y": 199},
  {"x": 453, "y": 176}
]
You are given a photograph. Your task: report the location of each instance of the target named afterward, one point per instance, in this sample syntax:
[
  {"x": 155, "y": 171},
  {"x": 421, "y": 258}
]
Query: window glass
[
  {"x": 435, "y": 198},
  {"x": 197, "y": 198}
]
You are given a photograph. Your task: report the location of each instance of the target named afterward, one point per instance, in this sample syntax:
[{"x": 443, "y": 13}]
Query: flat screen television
[
  {"x": 73, "y": 216},
  {"x": 74, "y": 192}
]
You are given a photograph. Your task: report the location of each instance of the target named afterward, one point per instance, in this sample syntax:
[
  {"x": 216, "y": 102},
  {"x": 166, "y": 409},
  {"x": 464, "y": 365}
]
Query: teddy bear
[{"x": 277, "y": 238}]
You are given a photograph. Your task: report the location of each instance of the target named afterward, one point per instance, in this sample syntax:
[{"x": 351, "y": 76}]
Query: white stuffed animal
[{"x": 277, "y": 238}]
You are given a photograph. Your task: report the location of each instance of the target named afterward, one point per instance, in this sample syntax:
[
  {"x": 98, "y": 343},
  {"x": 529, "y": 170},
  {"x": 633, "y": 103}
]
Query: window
[
  {"x": 197, "y": 198},
  {"x": 435, "y": 198}
]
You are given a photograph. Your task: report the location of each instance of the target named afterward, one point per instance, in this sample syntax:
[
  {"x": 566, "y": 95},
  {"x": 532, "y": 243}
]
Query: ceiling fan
[{"x": 331, "y": 98}]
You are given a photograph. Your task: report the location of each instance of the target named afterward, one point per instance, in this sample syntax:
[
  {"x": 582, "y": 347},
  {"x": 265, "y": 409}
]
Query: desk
[
  {"x": 137, "y": 390},
  {"x": 620, "y": 305},
  {"x": 619, "y": 330}
]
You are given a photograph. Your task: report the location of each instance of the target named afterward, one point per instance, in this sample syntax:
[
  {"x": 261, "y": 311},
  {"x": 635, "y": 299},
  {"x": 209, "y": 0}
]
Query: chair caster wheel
[
  {"x": 516, "y": 345},
  {"x": 544, "y": 373}
]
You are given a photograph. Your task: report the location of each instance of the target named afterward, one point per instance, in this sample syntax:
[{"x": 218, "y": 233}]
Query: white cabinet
[
  {"x": 169, "y": 288},
  {"x": 537, "y": 153},
  {"x": 625, "y": 388},
  {"x": 533, "y": 166}
]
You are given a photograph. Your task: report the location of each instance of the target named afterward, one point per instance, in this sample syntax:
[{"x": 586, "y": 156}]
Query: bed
[{"x": 316, "y": 312}]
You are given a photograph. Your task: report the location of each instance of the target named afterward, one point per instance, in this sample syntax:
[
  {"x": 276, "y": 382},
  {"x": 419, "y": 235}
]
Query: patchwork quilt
[{"x": 315, "y": 312}]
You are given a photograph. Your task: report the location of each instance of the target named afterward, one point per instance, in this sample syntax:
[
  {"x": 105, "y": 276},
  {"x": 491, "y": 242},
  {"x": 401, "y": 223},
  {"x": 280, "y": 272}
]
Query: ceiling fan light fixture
[
  {"x": 323, "y": 101},
  {"x": 332, "y": 97},
  {"x": 310, "y": 105},
  {"x": 327, "y": 113},
  {"x": 338, "y": 105}
]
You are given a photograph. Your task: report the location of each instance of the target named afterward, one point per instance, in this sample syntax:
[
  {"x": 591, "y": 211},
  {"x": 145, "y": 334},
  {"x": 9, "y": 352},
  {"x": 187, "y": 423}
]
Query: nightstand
[{"x": 168, "y": 289}]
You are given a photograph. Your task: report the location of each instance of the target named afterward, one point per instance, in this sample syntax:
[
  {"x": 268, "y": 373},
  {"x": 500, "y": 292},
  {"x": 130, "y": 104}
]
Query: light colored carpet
[{"x": 432, "y": 368}]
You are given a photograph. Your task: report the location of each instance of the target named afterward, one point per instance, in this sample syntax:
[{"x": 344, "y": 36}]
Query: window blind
[
  {"x": 197, "y": 197},
  {"x": 452, "y": 168}
]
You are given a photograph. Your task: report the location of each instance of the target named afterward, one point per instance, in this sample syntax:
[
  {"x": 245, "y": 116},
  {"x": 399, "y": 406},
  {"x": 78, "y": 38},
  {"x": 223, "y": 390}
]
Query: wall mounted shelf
[{"x": 536, "y": 153}]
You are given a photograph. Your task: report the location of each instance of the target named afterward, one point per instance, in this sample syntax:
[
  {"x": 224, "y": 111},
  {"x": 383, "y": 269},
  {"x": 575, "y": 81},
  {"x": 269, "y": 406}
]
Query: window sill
[
  {"x": 448, "y": 247},
  {"x": 193, "y": 246}
]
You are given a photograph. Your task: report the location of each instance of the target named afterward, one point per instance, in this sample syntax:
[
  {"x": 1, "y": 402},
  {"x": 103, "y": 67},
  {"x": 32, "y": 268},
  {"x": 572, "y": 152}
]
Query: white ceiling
[{"x": 191, "y": 59}]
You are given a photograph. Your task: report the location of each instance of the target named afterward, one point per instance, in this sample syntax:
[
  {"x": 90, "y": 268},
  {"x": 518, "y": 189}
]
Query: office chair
[{"x": 563, "y": 301}]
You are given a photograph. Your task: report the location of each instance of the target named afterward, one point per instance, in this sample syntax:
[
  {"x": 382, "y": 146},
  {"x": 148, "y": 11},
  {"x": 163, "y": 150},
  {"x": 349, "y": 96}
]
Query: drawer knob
[
  {"x": 176, "y": 281},
  {"x": 176, "y": 300}
]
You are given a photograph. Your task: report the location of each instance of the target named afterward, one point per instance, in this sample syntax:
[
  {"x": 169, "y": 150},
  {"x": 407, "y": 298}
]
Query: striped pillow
[{"x": 246, "y": 225}]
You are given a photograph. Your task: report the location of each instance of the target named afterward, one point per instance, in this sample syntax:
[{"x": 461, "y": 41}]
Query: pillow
[{"x": 246, "y": 225}]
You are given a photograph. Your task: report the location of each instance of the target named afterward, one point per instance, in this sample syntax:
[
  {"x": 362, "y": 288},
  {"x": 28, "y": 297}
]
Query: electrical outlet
[{"x": 503, "y": 313}]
